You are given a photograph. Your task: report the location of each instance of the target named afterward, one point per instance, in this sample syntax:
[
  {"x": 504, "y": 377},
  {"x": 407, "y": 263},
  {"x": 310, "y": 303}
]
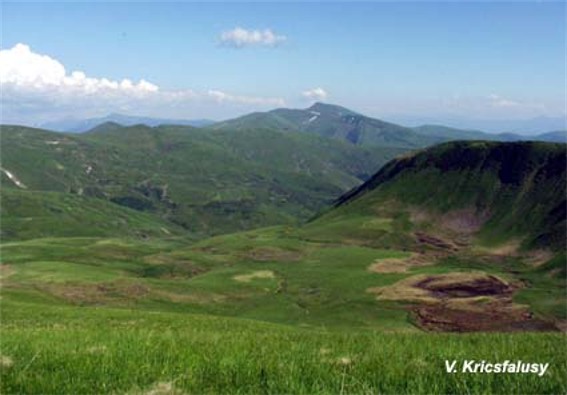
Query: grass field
[
  {"x": 57, "y": 350},
  {"x": 265, "y": 311}
]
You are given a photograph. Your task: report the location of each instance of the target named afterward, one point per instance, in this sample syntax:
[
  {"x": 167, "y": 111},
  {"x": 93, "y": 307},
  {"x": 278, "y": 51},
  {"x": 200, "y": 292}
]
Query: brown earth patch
[
  {"x": 464, "y": 285},
  {"x": 401, "y": 265},
  {"x": 537, "y": 258},
  {"x": 561, "y": 325},
  {"x": 510, "y": 248},
  {"x": 465, "y": 221},
  {"x": 100, "y": 293},
  {"x": 499, "y": 315},
  {"x": 429, "y": 241},
  {"x": 195, "y": 297},
  {"x": 463, "y": 302},
  {"x": 267, "y": 254}
]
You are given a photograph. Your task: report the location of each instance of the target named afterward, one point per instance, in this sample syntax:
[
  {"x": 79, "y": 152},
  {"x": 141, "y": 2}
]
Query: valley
[{"x": 219, "y": 259}]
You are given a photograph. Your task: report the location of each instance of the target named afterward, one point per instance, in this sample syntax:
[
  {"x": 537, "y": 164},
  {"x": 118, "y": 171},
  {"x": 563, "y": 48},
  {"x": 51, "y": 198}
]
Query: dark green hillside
[
  {"x": 335, "y": 122},
  {"x": 513, "y": 190},
  {"x": 207, "y": 181}
]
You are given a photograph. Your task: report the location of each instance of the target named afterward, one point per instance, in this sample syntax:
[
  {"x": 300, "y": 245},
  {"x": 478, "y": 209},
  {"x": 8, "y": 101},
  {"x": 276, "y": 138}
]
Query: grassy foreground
[{"x": 48, "y": 349}]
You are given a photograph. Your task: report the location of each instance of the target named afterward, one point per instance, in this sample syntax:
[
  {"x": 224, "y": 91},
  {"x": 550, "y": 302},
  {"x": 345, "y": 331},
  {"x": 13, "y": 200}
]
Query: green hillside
[
  {"x": 208, "y": 182},
  {"x": 28, "y": 214},
  {"x": 504, "y": 191},
  {"x": 335, "y": 122}
]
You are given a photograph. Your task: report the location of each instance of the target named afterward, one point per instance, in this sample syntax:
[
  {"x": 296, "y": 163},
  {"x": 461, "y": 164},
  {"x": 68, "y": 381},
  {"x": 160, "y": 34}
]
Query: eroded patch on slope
[
  {"x": 463, "y": 302},
  {"x": 401, "y": 265},
  {"x": 267, "y": 254}
]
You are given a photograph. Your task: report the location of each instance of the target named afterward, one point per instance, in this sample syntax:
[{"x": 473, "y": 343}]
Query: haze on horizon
[{"x": 436, "y": 61}]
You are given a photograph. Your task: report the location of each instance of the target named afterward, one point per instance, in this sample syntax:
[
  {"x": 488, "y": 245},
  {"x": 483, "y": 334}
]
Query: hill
[
  {"x": 559, "y": 136},
  {"x": 209, "y": 182},
  {"x": 335, "y": 122},
  {"x": 83, "y": 125},
  {"x": 504, "y": 190},
  {"x": 28, "y": 214}
]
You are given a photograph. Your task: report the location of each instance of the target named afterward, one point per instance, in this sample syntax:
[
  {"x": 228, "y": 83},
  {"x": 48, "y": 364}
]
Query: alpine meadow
[{"x": 224, "y": 229}]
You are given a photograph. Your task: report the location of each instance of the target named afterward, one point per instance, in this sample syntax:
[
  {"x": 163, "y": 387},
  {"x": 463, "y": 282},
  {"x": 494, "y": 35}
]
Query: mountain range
[
  {"x": 329, "y": 120},
  {"x": 281, "y": 166},
  {"x": 83, "y": 125},
  {"x": 340, "y": 123}
]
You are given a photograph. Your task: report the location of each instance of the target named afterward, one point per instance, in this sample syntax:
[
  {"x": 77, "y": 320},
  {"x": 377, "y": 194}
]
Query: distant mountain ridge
[
  {"x": 332, "y": 121},
  {"x": 79, "y": 126},
  {"x": 530, "y": 126},
  {"x": 325, "y": 120}
]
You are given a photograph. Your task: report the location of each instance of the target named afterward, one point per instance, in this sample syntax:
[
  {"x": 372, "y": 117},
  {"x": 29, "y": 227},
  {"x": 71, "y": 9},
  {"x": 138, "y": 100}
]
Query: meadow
[
  {"x": 48, "y": 349},
  {"x": 265, "y": 311}
]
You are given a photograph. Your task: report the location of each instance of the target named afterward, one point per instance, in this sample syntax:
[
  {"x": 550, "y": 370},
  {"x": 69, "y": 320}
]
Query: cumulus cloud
[
  {"x": 240, "y": 38},
  {"x": 316, "y": 94},
  {"x": 24, "y": 69},
  {"x": 37, "y": 88}
]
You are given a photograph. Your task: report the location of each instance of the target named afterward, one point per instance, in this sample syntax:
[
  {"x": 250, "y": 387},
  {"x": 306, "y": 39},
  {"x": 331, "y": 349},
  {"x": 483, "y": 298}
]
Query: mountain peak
[
  {"x": 329, "y": 108},
  {"x": 105, "y": 126}
]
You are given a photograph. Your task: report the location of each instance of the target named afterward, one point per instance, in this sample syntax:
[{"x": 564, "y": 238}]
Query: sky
[{"x": 477, "y": 60}]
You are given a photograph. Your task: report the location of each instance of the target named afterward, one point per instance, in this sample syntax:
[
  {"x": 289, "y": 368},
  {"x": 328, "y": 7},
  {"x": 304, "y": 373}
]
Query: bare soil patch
[
  {"x": 464, "y": 285},
  {"x": 401, "y": 265},
  {"x": 267, "y": 254},
  {"x": 427, "y": 240},
  {"x": 466, "y": 221},
  {"x": 496, "y": 315},
  {"x": 100, "y": 293},
  {"x": 463, "y": 302}
]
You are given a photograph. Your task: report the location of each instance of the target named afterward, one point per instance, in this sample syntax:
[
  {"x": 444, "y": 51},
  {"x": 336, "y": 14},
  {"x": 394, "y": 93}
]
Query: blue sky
[{"x": 476, "y": 60}]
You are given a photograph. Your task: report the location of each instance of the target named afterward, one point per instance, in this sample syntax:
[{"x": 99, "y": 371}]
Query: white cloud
[
  {"x": 22, "y": 68},
  {"x": 37, "y": 88},
  {"x": 498, "y": 101},
  {"x": 316, "y": 94},
  {"x": 240, "y": 38},
  {"x": 222, "y": 97}
]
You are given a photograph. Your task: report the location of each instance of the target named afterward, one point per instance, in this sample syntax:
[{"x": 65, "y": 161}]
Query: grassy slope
[
  {"x": 206, "y": 182},
  {"x": 150, "y": 297},
  {"x": 33, "y": 214},
  {"x": 519, "y": 187},
  {"x": 180, "y": 353}
]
